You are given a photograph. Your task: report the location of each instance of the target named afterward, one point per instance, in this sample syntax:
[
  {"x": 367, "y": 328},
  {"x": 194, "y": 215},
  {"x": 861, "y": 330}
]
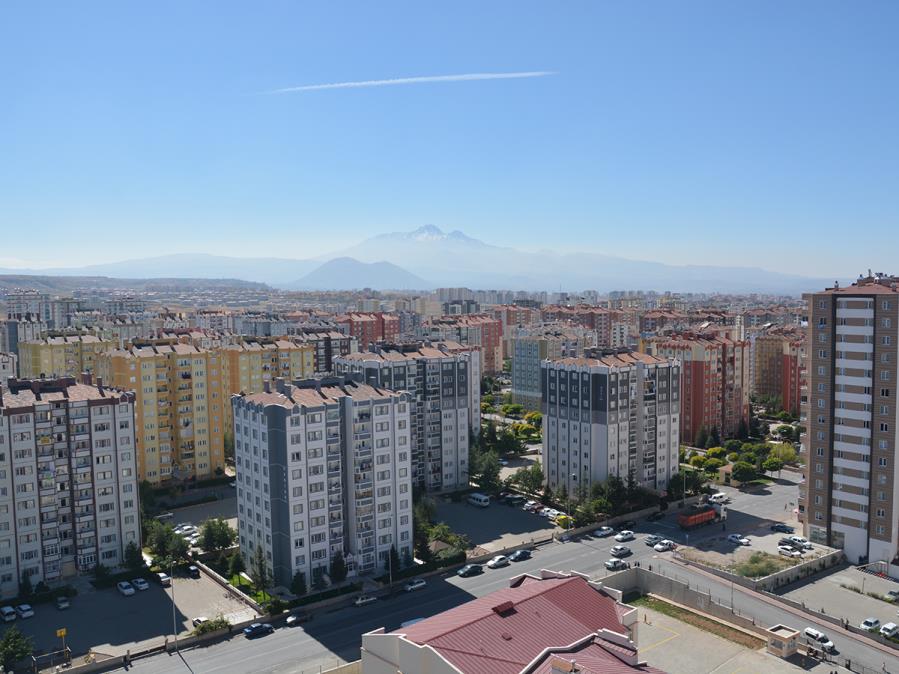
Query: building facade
[
  {"x": 471, "y": 330},
  {"x": 444, "y": 383},
  {"x": 323, "y": 466},
  {"x": 61, "y": 356},
  {"x": 531, "y": 346},
  {"x": 851, "y": 482},
  {"x": 9, "y": 367},
  {"x": 616, "y": 414},
  {"x": 68, "y": 479},
  {"x": 179, "y": 408},
  {"x": 777, "y": 366}
]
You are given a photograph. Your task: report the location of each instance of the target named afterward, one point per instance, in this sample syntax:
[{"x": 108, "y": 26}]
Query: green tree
[
  {"x": 534, "y": 418},
  {"x": 134, "y": 560},
  {"x": 488, "y": 473},
  {"x": 407, "y": 558},
  {"x": 14, "y": 646},
  {"x": 178, "y": 548},
  {"x": 698, "y": 462},
  {"x": 216, "y": 535},
  {"x": 714, "y": 438},
  {"x": 712, "y": 465},
  {"x": 338, "y": 570},
  {"x": 715, "y": 453},
  {"x": 260, "y": 572},
  {"x": 743, "y": 471},
  {"x": 701, "y": 437},
  {"x": 732, "y": 445},
  {"x": 785, "y": 431},
  {"x": 512, "y": 410},
  {"x": 236, "y": 566},
  {"x": 395, "y": 562},
  {"x": 773, "y": 465},
  {"x": 742, "y": 429},
  {"x": 298, "y": 584},
  {"x": 318, "y": 579},
  {"x": 784, "y": 452},
  {"x": 530, "y": 478}
]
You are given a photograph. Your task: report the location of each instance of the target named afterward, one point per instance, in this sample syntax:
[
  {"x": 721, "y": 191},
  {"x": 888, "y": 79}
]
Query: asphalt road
[{"x": 335, "y": 636}]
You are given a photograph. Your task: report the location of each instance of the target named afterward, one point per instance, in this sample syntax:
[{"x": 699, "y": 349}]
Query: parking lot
[
  {"x": 495, "y": 527},
  {"x": 108, "y": 622}
]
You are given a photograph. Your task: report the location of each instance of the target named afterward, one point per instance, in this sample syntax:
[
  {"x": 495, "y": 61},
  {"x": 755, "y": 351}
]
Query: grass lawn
[
  {"x": 700, "y": 621},
  {"x": 248, "y": 590}
]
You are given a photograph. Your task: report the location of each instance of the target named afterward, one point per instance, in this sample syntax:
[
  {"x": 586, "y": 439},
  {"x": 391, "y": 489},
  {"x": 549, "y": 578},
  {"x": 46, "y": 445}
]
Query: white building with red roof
[{"x": 545, "y": 624}]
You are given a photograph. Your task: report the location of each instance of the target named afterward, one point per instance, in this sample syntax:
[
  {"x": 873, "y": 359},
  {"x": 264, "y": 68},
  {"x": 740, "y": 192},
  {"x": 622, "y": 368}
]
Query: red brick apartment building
[{"x": 371, "y": 327}]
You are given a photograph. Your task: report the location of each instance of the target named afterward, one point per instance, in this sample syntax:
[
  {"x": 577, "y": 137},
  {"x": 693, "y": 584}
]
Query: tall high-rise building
[
  {"x": 471, "y": 330},
  {"x": 532, "y": 345},
  {"x": 852, "y": 482},
  {"x": 323, "y": 466},
  {"x": 68, "y": 479},
  {"x": 777, "y": 369},
  {"x": 444, "y": 382},
  {"x": 615, "y": 414},
  {"x": 9, "y": 366},
  {"x": 368, "y": 328},
  {"x": 61, "y": 356},
  {"x": 179, "y": 407}
]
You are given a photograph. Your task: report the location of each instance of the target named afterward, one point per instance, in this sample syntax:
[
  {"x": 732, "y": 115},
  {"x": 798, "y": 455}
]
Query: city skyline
[{"x": 659, "y": 134}]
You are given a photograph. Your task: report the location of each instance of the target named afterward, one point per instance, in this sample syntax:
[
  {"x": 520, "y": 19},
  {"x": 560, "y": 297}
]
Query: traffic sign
[{"x": 61, "y": 632}]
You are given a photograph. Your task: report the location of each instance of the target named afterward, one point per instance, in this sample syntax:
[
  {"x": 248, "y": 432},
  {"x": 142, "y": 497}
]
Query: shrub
[
  {"x": 759, "y": 565},
  {"x": 217, "y": 623}
]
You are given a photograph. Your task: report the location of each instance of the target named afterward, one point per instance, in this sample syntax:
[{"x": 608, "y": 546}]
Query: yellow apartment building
[{"x": 61, "y": 356}]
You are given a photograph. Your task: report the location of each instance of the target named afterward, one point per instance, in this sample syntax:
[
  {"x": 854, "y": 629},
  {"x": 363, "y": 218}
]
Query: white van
[
  {"x": 480, "y": 500},
  {"x": 718, "y": 498}
]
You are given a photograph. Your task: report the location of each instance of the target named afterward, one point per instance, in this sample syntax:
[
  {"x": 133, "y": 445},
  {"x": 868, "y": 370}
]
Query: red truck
[{"x": 698, "y": 515}]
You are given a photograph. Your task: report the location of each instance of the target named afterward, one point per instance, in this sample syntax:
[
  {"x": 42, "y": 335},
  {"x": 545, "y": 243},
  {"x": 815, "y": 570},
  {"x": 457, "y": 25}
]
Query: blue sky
[{"x": 684, "y": 132}]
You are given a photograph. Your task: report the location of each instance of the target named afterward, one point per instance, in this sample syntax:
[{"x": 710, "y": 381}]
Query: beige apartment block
[{"x": 61, "y": 356}]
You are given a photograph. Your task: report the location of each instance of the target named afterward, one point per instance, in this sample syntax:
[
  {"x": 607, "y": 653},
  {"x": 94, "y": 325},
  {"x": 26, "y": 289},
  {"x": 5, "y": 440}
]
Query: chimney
[
  {"x": 87, "y": 378},
  {"x": 99, "y": 382}
]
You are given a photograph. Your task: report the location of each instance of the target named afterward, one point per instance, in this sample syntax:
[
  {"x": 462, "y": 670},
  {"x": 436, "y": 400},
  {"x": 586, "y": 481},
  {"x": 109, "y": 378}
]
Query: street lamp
[
  {"x": 174, "y": 621},
  {"x": 570, "y": 516}
]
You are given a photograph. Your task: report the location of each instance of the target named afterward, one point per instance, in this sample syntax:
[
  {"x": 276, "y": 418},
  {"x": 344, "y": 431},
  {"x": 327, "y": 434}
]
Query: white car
[
  {"x": 199, "y": 620},
  {"x": 25, "y": 611},
  {"x": 889, "y": 630},
  {"x": 801, "y": 542},
  {"x": 364, "y": 600},
  {"x": 664, "y": 546},
  {"x": 620, "y": 551},
  {"x": 652, "y": 539},
  {"x": 164, "y": 579},
  {"x": 125, "y": 588},
  {"x": 820, "y": 639},
  {"x": 603, "y": 532},
  {"x": 739, "y": 539},
  {"x": 140, "y": 584},
  {"x": 498, "y": 561},
  {"x": 625, "y": 535},
  {"x": 8, "y": 613},
  {"x": 530, "y": 505},
  {"x": 870, "y": 624},
  {"x": 787, "y": 551},
  {"x": 416, "y": 584}
]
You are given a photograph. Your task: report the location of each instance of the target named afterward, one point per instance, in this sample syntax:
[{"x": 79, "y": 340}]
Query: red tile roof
[{"x": 503, "y": 632}]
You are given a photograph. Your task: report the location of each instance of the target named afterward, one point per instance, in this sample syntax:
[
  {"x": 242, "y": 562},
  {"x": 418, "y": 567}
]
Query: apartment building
[
  {"x": 371, "y": 327},
  {"x": 323, "y": 466},
  {"x": 443, "y": 380},
  {"x": 471, "y": 330},
  {"x": 248, "y": 365},
  {"x": 68, "y": 479},
  {"x": 714, "y": 381},
  {"x": 326, "y": 346},
  {"x": 26, "y": 301},
  {"x": 777, "y": 368},
  {"x": 595, "y": 318},
  {"x": 9, "y": 367},
  {"x": 531, "y": 346},
  {"x": 615, "y": 413},
  {"x": 512, "y": 316},
  {"x": 17, "y": 328},
  {"x": 851, "y": 482},
  {"x": 179, "y": 407},
  {"x": 61, "y": 355}
]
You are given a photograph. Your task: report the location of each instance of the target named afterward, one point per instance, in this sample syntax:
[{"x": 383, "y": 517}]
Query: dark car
[
  {"x": 470, "y": 570},
  {"x": 783, "y": 528},
  {"x": 297, "y": 618},
  {"x": 193, "y": 571},
  {"x": 629, "y": 525},
  {"x": 790, "y": 544},
  {"x": 520, "y": 555},
  {"x": 258, "y": 630},
  {"x": 659, "y": 515}
]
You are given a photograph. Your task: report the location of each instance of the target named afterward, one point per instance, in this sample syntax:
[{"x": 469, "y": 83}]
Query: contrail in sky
[{"x": 429, "y": 79}]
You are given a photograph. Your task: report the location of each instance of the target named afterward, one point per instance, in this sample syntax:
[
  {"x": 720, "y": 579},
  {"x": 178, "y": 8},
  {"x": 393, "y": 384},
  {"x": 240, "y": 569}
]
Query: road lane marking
[{"x": 674, "y": 635}]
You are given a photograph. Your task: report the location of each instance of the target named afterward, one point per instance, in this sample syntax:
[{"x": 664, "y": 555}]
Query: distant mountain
[
  {"x": 455, "y": 259},
  {"x": 345, "y": 273},
  {"x": 189, "y": 265},
  {"x": 66, "y": 284}
]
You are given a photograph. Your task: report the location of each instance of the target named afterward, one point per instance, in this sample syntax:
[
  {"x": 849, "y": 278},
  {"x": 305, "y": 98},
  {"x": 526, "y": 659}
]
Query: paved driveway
[{"x": 495, "y": 527}]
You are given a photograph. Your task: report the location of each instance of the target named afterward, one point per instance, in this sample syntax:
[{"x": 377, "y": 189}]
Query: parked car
[
  {"x": 62, "y": 603},
  {"x": 199, "y": 620},
  {"x": 656, "y": 516},
  {"x": 164, "y": 579},
  {"x": 414, "y": 585},
  {"x": 520, "y": 555},
  {"x": 498, "y": 562},
  {"x": 298, "y": 618},
  {"x": 24, "y": 611},
  {"x": 193, "y": 571},
  {"x": 8, "y": 613},
  {"x": 652, "y": 539},
  {"x": 470, "y": 570},
  {"x": 719, "y": 498},
  {"x": 870, "y": 624},
  {"x": 620, "y": 551},
  {"x": 820, "y": 639},
  {"x": 603, "y": 532},
  {"x": 790, "y": 544},
  {"x": 787, "y": 551},
  {"x": 515, "y": 500},
  {"x": 782, "y": 528},
  {"x": 739, "y": 539},
  {"x": 364, "y": 600},
  {"x": 802, "y": 542},
  {"x": 889, "y": 630},
  {"x": 615, "y": 565},
  {"x": 140, "y": 584},
  {"x": 664, "y": 546},
  {"x": 892, "y": 595},
  {"x": 257, "y": 630},
  {"x": 125, "y": 588},
  {"x": 628, "y": 524},
  {"x": 530, "y": 506}
]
